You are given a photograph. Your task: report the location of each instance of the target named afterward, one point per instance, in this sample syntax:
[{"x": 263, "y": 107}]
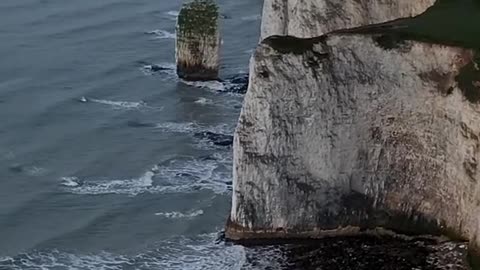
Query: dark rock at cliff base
[
  {"x": 361, "y": 253},
  {"x": 237, "y": 84},
  {"x": 157, "y": 68},
  {"x": 215, "y": 138}
]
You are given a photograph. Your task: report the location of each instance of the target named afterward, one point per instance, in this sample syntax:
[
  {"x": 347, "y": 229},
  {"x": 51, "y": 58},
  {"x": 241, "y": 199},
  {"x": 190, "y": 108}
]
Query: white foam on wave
[
  {"x": 193, "y": 127},
  {"x": 70, "y": 181},
  {"x": 180, "y": 215},
  {"x": 117, "y": 186},
  {"x": 55, "y": 259},
  {"x": 255, "y": 17},
  {"x": 212, "y": 85},
  {"x": 227, "y": 104},
  {"x": 161, "y": 34},
  {"x": 204, "y": 101},
  {"x": 183, "y": 175},
  {"x": 169, "y": 69},
  {"x": 178, "y": 127},
  {"x": 173, "y": 14},
  {"x": 179, "y": 253},
  {"x": 120, "y": 104},
  {"x": 191, "y": 174}
]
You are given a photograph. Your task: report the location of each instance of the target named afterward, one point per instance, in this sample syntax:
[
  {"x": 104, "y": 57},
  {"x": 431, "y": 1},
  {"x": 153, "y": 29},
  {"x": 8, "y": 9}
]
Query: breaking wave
[
  {"x": 117, "y": 186},
  {"x": 161, "y": 34},
  {"x": 181, "y": 175},
  {"x": 212, "y": 85},
  {"x": 193, "y": 127},
  {"x": 169, "y": 69},
  {"x": 125, "y": 105},
  {"x": 179, "y": 215},
  {"x": 180, "y": 253},
  {"x": 163, "y": 68},
  {"x": 172, "y": 15},
  {"x": 178, "y": 127},
  {"x": 204, "y": 101}
]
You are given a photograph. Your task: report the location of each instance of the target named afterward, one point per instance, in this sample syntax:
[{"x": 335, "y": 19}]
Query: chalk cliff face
[
  {"x": 307, "y": 18},
  {"x": 346, "y": 132}
]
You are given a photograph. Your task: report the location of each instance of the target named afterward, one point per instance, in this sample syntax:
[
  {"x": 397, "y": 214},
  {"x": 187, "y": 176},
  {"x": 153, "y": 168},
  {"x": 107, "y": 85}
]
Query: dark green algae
[{"x": 199, "y": 17}]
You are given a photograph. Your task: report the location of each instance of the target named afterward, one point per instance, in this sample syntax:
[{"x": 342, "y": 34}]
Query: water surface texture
[{"x": 100, "y": 165}]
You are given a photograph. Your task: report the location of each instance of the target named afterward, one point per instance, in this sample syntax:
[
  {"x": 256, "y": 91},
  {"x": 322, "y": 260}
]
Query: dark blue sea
[
  {"x": 100, "y": 167},
  {"x": 102, "y": 160}
]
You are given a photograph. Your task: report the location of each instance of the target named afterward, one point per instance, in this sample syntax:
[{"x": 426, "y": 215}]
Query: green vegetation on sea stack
[{"x": 198, "y": 17}]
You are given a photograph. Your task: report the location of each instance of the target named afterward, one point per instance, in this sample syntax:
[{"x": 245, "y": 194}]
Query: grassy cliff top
[{"x": 199, "y": 17}]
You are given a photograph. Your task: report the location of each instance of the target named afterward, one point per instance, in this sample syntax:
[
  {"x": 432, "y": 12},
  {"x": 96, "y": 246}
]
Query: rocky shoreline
[{"x": 367, "y": 253}]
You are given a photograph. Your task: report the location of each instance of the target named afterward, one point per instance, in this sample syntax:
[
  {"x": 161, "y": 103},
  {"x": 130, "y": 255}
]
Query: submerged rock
[
  {"x": 311, "y": 18},
  {"x": 348, "y": 132},
  {"x": 215, "y": 138},
  {"x": 237, "y": 84},
  {"x": 198, "y": 41}
]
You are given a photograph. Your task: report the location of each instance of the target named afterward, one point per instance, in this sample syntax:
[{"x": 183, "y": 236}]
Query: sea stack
[
  {"x": 198, "y": 41},
  {"x": 356, "y": 131}
]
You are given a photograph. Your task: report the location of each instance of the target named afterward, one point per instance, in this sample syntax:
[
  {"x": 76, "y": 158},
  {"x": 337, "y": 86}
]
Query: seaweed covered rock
[
  {"x": 198, "y": 41},
  {"x": 349, "y": 132},
  {"x": 310, "y": 18}
]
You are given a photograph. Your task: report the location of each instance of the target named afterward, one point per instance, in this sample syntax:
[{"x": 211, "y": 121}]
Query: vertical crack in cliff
[{"x": 469, "y": 79}]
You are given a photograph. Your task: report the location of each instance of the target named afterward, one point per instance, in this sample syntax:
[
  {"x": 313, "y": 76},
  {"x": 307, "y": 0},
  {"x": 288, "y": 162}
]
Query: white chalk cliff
[
  {"x": 310, "y": 18},
  {"x": 347, "y": 132}
]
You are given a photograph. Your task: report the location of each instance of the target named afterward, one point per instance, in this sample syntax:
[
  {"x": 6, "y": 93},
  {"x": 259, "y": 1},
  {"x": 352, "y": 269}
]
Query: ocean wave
[
  {"x": 212, "y": 85},
  {"x": 255, "y": 17},
  {"x": 180, "y": 253},
  {"x": 128, "y": 105},
  {"x": 193, "y": 127},
  {"x": 28, "y": 170},
  {"x": 179, "y": 215},
  {"x": 70, "y": 181},
  {"x": 163, "y": 68},
  {"x": 231, "y": 85},
  {"x": 193, "y": 174},
  {"x": 204, "y": 101},
  {"x": 172, "y": 14},
  {"x": 101, "y": 187},
  {"x": 35, "y": 171},
  {"x": 181, "y": 175},
  {"x": 178, "y": 127},
  {"x": 161, "y": 34}
]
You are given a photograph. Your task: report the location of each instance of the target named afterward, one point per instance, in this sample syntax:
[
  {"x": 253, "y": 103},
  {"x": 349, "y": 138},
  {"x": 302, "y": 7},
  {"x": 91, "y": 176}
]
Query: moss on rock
[{"x": 198, "y": 17}]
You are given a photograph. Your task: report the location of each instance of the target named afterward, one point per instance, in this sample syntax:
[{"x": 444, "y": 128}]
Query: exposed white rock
[
  {"x": 310, "y": 18},
  {"x": 347, "y": 132}
]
